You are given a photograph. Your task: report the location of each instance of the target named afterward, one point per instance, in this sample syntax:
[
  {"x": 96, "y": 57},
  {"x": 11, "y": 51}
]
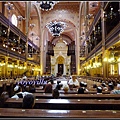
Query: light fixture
[
  {"x": 37, "y": 38},
  {"x": 47, "y": 5},
  {"x": 94, "y": 4},
  {"x": 110, "y": 14},
  {"x": 32, "y": 26},
  {"x": 56, "y": 28},
  {"x": 9, "y": 6}
]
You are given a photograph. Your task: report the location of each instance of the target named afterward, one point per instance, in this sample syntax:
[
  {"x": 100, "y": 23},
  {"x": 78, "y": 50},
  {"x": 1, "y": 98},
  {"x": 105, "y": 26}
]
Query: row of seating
[
  {"x": 59, "y": 114},
  {"x": 78, "y": 96},
  {"x": 74, "y": 92},
  {"x": 67, "y": 104}
]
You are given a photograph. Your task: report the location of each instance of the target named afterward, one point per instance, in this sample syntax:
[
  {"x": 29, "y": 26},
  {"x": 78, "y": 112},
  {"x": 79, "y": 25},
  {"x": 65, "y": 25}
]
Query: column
[
  {"x": 18, "y": 68},
  {"x": 6, "y": 66},
  {"x": 104, "y": 52},
  {"x": 64, "y": 71},
  {"x": 27, "y": 16},
  {"x": 56, "y": 69}
]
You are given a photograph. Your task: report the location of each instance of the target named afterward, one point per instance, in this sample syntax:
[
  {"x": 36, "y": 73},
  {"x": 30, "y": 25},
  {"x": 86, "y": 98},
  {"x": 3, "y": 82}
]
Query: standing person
[{"x": 28, "y": 101}]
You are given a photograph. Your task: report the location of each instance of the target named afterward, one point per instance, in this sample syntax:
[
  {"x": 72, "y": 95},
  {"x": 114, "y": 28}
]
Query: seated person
[
  {"x": 28, "y": 101},
  {"x": 48, "y": 88},
  {"x": 19, "y": 93},
  {"x": 110, "y": 87},
  {"x": 81, "y": 89},
  {"x": 4, "y": 96},
  {"x": 117, "y": 90},
  {"x": 55, "y": 94},
  {"x": 94, "y": 86},
  {"x": 32, "y": 88},
  {"x": 82, "y": 84},
  {"x": 104, "y": 86},
  {"x": 65, "y": 87},
  {"x": 24, "y": 77},
  {"x": 58, "y": 86},
  {"x": 99, "y": 90},
  {"x": 27, "y": 88},
  {"x": 85, "y": 86},
  {"x": 73, "y": 81}
]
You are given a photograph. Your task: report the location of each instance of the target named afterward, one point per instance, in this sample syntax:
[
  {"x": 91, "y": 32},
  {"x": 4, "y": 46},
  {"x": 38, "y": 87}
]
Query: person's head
[
  {"x": 58, "y": 82},
  {"x": 27, "y": 88},
  {"x": 94, "y": 86},
  {"x": 99, "y": 89},
  {"x": 17, "y": 89},
  {"x": 65, "y": 87},
  {"x": 55, "y": 93},
  {"x": 85, "y": 85},
  {"x": 48, "y": 88},
  {"x": 110, "y": 86},
  {"x": 81, "y": 84},
  {"x": 73, "y": 77},
  {"x": 118, "y": 86},
  {"x": 81, "y": 90},
  {"x": 28, "y": 101},
  {"x": 4, "y": 96},
  {"x": 103, "y": 85}
]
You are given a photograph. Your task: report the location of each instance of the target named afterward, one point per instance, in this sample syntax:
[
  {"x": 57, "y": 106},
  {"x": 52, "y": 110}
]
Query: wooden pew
[
  {"x": 78, "y": 96},
  {"x": 39, "y": 88},
  {"x": 45, "y": 113},
  {"x": 68, "y": 104},
  {"x": 73, "y": 92}
]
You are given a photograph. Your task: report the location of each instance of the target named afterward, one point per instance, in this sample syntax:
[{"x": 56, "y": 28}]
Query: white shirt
[
  {"x": 24, "y": 78},
  {"x": 23, "y": 94},
  {"x": 75, "y": 82}
]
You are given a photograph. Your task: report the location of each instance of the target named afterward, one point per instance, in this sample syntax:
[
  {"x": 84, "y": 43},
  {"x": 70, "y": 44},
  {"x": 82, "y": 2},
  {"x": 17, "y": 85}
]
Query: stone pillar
[
  {"x": 56, "y": 69},
  {"x": 27, "y": 16},
  {"x": 64, "y": 71},
  {"x": 17, "y": 68},
  {"x": 104, "y": 52},
  {"x": 6, "y": 66}
]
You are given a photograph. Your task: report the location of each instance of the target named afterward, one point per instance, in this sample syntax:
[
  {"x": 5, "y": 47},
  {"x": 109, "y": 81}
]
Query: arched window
[{"x": 14, "y": 20}]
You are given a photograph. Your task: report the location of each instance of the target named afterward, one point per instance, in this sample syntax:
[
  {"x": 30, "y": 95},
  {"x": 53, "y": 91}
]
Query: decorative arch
[
  {"x": 64, "y": 37},
  {"x": 60, "y": 60}
]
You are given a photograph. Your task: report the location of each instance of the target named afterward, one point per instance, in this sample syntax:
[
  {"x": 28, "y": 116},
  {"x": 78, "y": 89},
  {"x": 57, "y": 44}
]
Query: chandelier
[
  {"x": 56, "y": 28},
  {"x": 47, "y": 5},
  {"x": 9, "y": 6}
]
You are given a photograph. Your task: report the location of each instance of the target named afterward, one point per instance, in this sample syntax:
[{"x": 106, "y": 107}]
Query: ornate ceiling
[{"x": 67, "y": 12}]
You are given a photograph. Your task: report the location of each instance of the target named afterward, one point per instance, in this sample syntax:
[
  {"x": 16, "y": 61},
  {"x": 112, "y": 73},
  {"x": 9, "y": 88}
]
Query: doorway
[{"x": 60, "y": 69}]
